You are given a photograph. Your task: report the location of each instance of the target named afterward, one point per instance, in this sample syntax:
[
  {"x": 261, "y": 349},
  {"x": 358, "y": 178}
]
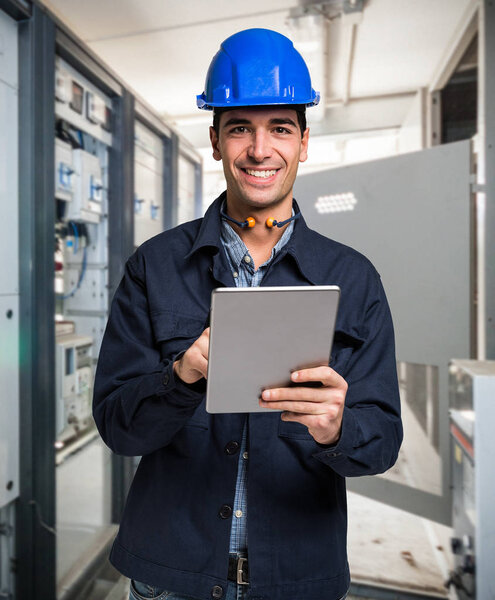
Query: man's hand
[
  {"x": 194, "y": 362},
  {"x": 320, "y": 409}
]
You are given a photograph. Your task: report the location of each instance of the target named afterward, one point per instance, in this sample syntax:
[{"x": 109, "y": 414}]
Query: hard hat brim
[{"x": 204, "y": 105}]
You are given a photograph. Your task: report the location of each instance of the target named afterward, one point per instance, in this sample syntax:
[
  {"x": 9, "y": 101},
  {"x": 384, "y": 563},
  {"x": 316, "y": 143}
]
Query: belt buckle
[{"x": 240, "y": 566}]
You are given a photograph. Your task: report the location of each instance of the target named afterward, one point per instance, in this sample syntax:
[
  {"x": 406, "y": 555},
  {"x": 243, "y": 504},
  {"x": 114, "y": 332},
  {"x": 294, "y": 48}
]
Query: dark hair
[{"x": 299, "y": 108}]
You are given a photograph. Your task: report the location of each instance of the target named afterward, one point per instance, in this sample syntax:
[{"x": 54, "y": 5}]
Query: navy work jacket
[{"x": 176, "y": 526}]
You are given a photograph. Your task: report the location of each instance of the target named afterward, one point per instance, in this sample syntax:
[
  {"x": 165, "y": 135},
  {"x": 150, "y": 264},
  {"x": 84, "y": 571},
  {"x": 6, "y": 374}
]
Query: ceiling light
[{"x": 335, "y": 203}]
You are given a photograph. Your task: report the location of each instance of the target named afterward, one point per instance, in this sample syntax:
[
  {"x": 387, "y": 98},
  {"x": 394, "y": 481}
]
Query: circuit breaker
[
  {"x": 96, "y": 109},
  {"x": 64, "y": 171},
  {"x": 87, "y": 204},
  {"x": 63, "y": 92}
]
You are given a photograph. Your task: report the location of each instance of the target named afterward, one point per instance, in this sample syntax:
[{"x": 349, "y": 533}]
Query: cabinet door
[{"x": 411, "y": 216}]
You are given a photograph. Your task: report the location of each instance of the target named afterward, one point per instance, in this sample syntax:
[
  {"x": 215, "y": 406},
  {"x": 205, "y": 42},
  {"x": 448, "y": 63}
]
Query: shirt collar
[{"x": 303, "y": 244}]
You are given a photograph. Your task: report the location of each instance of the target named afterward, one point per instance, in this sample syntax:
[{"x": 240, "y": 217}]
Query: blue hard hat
[{"x": 257, "y": 67}]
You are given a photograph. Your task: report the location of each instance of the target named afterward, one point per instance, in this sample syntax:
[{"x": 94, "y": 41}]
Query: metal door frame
[{"x": 41, "y": 38}]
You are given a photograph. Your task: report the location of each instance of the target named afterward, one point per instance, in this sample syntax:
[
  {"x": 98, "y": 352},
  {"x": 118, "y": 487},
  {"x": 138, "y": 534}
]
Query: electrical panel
[
  {"x": 472, "y": 414},
  {"x": 82, "y": 144},
  {"x": 148, "y": 184},
  {"x": 81, "y": 103},
  {"x": 93, "y": 326},
  {"x": 74, "y": 385}
]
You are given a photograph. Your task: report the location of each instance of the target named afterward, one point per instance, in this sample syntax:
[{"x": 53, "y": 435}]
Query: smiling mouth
[{"x": 261, "y": 174}]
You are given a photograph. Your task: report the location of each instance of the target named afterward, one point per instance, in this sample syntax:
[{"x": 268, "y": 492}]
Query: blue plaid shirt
[{"x": 243, "y": 270}]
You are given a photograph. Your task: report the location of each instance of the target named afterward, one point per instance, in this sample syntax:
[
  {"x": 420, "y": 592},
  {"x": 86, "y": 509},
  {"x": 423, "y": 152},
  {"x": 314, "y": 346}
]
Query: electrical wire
[
  {"x": 81, "y": 276},
  {"x": 77, "y": 235}
]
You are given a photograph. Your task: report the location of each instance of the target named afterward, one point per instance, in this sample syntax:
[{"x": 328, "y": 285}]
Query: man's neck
[{"x": 260, "y": 239}]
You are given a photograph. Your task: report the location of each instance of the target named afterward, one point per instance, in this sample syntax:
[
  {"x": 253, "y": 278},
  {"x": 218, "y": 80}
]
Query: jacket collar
[
  {"x": 303, "y": 244},
  {"x": 210, "y": 229}
]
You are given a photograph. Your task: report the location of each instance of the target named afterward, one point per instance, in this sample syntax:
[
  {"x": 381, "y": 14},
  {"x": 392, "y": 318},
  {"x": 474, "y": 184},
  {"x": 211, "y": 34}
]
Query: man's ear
[
  {"x": 214, "y": 144},
  {"x": 303, "y": 153}
]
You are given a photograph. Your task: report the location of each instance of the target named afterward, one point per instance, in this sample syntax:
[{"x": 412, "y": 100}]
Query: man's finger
[
  {"x": 306, "y": 408},
  {"x": 305, "y": 394},
  {"x": 325, "y": 374},
  {"x": 203, "y": 342},
  {"x": 203, "y": 367}
]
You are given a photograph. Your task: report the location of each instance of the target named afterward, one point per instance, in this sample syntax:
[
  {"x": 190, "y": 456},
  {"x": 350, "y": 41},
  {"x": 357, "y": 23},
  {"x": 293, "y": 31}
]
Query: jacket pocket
[
  {"x": 175, "y": 332},
  {"x": 344, "y": 345}
]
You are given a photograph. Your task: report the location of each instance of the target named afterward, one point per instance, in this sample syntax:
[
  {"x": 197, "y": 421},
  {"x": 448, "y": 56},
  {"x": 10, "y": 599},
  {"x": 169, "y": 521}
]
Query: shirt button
[
  {"x": 235, "y": 274},
  {"x": 165, "y": 379},
  {"x": 245, "y": 455},
  {"x": 232, "y": 447},
  {"x": 216, "y": 591},
  {"x": 247, "y": 259},
  {"x": 226, "y": 511},
  {"x": 238, "y": 513}
]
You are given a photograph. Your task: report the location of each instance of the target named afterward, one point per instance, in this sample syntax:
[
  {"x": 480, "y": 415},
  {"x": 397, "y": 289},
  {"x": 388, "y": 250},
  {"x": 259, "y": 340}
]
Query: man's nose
[{"x": 260, "y": 146}]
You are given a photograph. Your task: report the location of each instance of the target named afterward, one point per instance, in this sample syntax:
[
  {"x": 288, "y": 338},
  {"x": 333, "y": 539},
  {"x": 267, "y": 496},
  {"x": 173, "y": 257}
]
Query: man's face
[{"x": 260, "y": 149}]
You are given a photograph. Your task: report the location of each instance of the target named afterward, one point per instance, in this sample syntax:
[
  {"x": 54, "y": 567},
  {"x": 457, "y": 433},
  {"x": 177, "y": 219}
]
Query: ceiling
[{"x": 162, "y": 49}]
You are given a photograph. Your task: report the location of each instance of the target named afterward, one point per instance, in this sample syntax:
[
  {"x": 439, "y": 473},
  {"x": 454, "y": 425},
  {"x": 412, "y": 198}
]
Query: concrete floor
[{"x": 391, "y": 547}]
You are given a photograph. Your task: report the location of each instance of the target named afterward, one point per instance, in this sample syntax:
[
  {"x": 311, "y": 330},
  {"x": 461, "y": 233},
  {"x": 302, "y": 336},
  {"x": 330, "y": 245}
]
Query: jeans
[{"x": 143, "y": 591}]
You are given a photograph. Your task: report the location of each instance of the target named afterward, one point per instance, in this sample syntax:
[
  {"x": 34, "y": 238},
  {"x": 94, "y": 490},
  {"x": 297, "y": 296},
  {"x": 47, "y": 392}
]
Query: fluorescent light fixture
[{"x": 335, "y": 203}]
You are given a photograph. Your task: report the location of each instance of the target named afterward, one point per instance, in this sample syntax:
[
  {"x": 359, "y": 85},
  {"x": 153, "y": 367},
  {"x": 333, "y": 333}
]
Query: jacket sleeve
[
  {"x": 371, "y": 432},
  {"x": 138, "y": 403}
]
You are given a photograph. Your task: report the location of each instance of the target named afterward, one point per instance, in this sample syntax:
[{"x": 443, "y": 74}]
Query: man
[{"x": 185, "y": 531}]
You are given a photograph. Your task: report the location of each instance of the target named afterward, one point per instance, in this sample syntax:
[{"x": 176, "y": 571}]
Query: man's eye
[
  {"x": 239, "y": 129},
  {"x": 282, "y": 130}
]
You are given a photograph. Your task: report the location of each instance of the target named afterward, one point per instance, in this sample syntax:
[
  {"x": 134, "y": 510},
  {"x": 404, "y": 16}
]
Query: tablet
[{"x": 260, "y": 335}]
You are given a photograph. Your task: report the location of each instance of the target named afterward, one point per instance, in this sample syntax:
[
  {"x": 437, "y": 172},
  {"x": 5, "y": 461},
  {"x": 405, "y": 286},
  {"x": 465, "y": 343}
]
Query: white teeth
[{"x": 261, "y": 174}]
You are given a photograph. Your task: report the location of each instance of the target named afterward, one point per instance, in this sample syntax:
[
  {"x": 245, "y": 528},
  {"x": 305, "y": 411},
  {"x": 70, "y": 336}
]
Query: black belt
[{"x": 238, "y": 569}]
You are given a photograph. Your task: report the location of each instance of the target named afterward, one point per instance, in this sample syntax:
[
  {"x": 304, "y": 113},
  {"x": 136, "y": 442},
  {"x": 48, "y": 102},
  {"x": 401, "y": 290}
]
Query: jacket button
[
  {"x": 217, "y": 591},
  {"x": 225, "y": 512},
  {"x": 165, "y": 379},
  {"x": 232, "y": 447}
]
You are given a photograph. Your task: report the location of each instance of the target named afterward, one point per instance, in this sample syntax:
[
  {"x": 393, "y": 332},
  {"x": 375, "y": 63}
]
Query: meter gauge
[{"x": 77, "y": 98}]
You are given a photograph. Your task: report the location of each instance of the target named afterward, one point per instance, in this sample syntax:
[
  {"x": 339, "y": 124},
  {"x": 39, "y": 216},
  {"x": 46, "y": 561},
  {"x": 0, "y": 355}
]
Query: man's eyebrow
[
  {"x": 275, "y": 121},
  {"x": 280, "y": 121},
  {"x": 236, "y": 121}
]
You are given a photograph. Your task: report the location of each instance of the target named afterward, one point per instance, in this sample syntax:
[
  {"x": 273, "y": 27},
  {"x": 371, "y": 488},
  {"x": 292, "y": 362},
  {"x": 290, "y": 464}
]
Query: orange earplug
[
  {"x": 270, "y": 222},
  {"x": 250, "y": 222}
]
